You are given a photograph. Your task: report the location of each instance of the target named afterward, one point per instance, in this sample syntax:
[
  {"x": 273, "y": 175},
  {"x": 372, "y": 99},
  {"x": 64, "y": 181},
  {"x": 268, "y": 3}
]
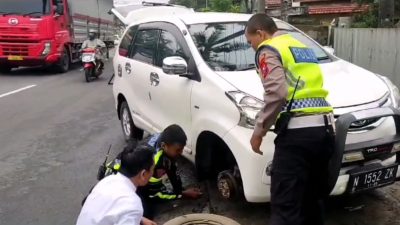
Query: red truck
[{"x": 49, "y": 33}]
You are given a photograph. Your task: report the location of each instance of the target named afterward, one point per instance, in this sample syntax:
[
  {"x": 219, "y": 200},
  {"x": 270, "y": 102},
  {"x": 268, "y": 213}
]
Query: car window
[
  {"x": 319, "y": 52},
  {"x": 126, "y": 42},
  {"x": 144, "y": 46},
  {"x": 168, "y": 46},
  {"x": 223, "y": 45}
]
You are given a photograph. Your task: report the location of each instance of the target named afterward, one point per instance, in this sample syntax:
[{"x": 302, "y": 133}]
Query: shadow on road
[{"x": 38, "y": 71}]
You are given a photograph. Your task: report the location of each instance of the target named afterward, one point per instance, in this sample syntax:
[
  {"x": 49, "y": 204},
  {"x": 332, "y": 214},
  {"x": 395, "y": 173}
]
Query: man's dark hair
[
  {"x": 261, "y": 21},
  {"x": 134, "y": 161},
  {"x": 173, "y": 134}
]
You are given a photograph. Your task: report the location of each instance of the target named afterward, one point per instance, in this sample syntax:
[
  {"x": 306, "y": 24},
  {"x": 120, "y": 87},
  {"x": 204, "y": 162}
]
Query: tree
[{"x": 369, "y": 19}]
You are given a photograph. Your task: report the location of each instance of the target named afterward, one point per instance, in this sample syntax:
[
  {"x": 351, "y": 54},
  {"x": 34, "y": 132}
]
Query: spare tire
[{"x": 201, "y": 219}]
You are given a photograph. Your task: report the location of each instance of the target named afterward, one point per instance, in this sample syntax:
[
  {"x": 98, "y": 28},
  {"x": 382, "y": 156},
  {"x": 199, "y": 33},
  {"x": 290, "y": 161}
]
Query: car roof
[
  {"x": 212, "y": 17},
  {"x": 187, "y": 16}
]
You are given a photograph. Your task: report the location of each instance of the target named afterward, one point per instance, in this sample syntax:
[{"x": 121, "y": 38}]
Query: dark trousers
[
  {"x": 149, "y": 204},
  {"x": 300, "y": 176}
]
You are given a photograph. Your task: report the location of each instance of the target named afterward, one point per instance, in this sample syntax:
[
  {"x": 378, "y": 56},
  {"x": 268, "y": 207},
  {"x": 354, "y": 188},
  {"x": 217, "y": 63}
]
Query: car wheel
[
  {"x": 128, "y": 127},
  {"x": 201, "y": 219}
]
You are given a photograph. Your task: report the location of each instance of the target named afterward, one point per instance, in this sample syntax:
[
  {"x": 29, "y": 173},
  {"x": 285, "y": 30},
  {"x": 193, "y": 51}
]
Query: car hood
[{"x": 348, "y": 84}]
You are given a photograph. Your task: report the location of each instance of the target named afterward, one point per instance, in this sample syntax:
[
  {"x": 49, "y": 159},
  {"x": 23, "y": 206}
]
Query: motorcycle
[{"x": 91, "y": 65}]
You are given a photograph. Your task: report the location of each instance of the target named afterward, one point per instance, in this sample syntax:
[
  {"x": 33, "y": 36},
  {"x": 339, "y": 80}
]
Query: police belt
[{"x": 305, "y": 121}]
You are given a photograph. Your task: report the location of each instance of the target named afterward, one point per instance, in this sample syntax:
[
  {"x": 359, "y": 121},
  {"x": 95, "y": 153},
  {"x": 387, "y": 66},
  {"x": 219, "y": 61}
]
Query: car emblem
[
  {"x": 119, "y": 70},
  {"x": 13, "y": 21}
]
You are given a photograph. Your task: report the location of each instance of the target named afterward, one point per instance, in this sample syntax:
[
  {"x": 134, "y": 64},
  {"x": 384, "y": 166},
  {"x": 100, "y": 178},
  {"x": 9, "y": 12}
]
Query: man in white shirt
[{"x": 113, "y": 201}]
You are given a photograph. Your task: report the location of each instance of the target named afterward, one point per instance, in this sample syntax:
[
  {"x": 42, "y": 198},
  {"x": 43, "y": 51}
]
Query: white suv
[{"x": 197, "y": 70}]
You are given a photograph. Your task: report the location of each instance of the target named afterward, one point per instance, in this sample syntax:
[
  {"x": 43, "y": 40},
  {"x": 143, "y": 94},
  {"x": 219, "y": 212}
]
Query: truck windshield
[
  {"x": 24, "y": 7},
  {"x": 224, "y": 47}
]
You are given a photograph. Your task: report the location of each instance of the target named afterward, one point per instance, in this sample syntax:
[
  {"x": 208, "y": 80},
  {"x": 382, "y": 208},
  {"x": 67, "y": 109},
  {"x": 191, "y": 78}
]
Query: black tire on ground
[
  {"x": 202, "y": 219},
  {"x": 5, "y": 69},
  {"x": 63, "y": 65},
  {"x": 129, "y": 129},
  {"x": 88, "y": 74}
]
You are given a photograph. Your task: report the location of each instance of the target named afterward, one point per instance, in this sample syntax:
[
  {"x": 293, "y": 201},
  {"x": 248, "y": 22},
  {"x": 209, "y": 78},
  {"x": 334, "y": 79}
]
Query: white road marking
[{"x": 16, "y": 91}]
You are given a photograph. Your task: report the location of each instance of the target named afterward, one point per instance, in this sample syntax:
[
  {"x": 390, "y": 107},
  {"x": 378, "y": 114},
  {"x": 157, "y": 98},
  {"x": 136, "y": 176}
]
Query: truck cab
[{"x": 47, "y": 32}]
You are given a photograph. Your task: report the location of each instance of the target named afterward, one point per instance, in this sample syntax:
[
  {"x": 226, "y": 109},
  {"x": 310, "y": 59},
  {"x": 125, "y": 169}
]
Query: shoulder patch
[
  {"x": 303, "y": 55},
  {"x": 264, "y": 66}
]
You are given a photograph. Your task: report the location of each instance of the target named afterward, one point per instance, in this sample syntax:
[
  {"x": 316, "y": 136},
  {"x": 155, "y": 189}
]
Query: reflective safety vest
[{"x": 299, "y": 61}]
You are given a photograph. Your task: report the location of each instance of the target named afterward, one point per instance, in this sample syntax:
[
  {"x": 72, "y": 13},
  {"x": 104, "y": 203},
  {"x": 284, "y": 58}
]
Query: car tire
[
  {"x": 201, "y": 219},
  {"x": 63, "y": 65},
  {"x": 129, "y": 129}
]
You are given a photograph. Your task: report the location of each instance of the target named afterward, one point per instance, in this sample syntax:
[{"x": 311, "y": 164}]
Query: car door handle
[{"x": 154, "y": 79}]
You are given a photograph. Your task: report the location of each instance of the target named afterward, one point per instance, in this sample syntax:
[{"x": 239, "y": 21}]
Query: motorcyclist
[{"x": 94, "y": 42}]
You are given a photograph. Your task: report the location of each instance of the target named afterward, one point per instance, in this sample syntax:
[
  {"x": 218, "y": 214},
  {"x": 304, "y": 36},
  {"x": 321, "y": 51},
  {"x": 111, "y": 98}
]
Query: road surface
[{"x": 55, "y": 131}]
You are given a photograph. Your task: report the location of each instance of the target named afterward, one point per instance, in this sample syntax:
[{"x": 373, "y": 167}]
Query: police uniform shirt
[
  {"x": 113, "y": 201},
  {"x": 273, "y": 78}
]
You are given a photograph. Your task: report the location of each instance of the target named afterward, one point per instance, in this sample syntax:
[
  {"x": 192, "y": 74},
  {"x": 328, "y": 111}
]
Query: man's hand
[
  {"x": 146, "y": 221},
  {"x": 192, "y": 193},
  {"x": 256, "y": 143}
]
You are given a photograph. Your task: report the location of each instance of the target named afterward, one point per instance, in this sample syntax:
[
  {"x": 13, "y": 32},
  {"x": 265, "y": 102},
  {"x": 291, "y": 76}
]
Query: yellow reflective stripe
[
  {"x": 156, "y": 159},
  {"x": 163, "y": 196},
  {"x": 154, "y": 180},
  {"x": 117, "y": 166},
  {"x": 158, "y": 156}
]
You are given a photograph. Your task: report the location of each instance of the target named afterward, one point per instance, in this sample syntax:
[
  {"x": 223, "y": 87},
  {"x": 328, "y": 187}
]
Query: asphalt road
[{"x": 54, "y": 132}]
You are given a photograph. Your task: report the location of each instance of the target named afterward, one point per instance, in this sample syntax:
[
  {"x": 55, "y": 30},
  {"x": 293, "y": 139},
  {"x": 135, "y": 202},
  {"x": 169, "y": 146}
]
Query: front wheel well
[
  {"x": 121, "y": 99},
  {"x": 212, "y": 156}
]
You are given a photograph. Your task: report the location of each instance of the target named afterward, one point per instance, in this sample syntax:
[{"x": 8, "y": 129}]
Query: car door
[
  {"x": 171, "y": 94},
  {"x": 137, "y": 69}
]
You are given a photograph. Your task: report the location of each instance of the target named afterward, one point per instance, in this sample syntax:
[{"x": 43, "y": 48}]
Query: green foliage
[{"x": 369, "y": 19}]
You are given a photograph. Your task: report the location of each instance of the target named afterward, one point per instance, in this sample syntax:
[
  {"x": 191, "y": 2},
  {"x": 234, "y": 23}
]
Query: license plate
[
  {"x": 15, "y": 58},
  {"x": 372, "y": 179}
]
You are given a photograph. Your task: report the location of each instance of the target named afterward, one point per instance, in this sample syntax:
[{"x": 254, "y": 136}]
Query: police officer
[{"x": 295, "y": 102}]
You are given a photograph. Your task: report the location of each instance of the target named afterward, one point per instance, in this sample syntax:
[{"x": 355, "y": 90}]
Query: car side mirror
[
  {"x": 175, "y": 65},
  {"x": 330, "y": 50},
  {"x": 60, "y": 9}
]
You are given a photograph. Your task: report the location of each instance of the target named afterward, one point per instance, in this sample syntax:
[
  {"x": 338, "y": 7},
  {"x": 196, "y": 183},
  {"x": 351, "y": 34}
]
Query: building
[{"x": 315, "y": 16}]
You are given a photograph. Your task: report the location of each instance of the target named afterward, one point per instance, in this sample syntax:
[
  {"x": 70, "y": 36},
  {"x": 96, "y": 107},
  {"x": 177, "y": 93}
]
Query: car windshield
[
  {"x": 224, "y": 47},
  {"x": 24, "y": 7}
]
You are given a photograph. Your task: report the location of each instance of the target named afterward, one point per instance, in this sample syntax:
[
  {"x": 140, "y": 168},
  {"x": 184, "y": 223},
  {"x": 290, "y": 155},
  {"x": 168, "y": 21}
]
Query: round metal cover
[{"x": 201, "y": 219}]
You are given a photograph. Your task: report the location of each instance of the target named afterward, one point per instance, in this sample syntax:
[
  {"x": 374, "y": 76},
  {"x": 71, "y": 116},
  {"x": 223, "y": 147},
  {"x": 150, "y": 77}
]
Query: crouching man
[{"x": 113, "y": 201}]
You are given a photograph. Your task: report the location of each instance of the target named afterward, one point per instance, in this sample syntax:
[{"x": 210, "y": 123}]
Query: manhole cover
[{"x": 201, "y": 219}]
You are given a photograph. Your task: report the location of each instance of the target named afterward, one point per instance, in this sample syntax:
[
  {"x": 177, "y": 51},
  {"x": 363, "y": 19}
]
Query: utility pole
[{"x": 261, "y": 6}]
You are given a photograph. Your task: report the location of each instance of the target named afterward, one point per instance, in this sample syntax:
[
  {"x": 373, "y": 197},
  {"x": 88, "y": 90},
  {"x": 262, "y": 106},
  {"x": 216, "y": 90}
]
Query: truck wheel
[
  {"x": 128, "y": 127},
  {"x": 5, "y": 69},
  {"x": 63, "y": 64},
  {"x": 201, "y": 219}
]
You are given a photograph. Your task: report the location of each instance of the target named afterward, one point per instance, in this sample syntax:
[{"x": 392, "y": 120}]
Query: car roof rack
[{"x": 156, "y": 4}]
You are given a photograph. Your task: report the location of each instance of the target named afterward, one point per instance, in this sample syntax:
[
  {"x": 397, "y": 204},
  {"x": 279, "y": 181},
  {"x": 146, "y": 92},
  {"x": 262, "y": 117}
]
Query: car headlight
[
  {"x": 47, "y": 48},
  {"x": 248, "y": 106},
  {"x": 394, "y": 92}
]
